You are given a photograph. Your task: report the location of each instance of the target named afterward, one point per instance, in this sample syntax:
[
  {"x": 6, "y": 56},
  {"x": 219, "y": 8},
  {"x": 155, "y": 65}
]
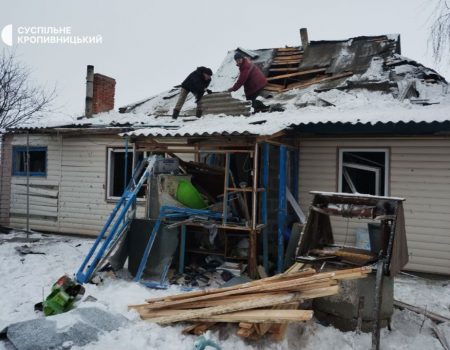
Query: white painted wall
[
  {"x": 76, "y": 169},
  {"x": 419, "y": 172}
]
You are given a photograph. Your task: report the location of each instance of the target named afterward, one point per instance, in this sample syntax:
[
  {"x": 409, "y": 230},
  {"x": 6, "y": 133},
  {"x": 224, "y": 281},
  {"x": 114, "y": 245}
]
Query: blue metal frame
[
  {"x": 125, "y": 167},
  {"x": 182, "y": 249},
  {"x": 121, "y": 209},
  {"x": 282, "y": 207},
  {"x": 294, "y": 173},
  {"x": 265, "y": 185},
  {"x": 20, "y": 149},
  {"x": 168, "y": 212}
]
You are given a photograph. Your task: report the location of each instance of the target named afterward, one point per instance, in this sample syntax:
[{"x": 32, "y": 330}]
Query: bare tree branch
[
  {"x": 20, "y": 101},
  {"x": 440, "y": 32}
]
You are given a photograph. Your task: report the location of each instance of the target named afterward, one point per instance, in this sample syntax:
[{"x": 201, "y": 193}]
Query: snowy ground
[{"x": 25, "y": 279}]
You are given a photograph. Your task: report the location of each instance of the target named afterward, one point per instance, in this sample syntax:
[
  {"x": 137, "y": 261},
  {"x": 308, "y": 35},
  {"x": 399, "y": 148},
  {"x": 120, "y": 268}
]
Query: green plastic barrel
[{"x": 188, "y": 195}]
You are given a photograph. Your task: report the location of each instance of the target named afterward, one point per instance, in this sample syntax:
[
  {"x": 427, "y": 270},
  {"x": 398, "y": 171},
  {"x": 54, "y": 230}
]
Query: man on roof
[
  {"x": 195, "y": 83},
  {"x": 253, "y": 80}
]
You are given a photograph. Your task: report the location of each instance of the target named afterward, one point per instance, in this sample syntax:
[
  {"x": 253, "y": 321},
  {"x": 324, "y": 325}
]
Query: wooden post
[
  {"x": 252, "y": 253},
  {"x": 281, "y": 207},
  {"x": 225, "y": 190}
]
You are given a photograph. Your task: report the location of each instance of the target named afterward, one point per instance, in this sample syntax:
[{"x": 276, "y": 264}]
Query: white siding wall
[
  {"x": 76, "y": 167},
  {"x": 419, "y": 172}
]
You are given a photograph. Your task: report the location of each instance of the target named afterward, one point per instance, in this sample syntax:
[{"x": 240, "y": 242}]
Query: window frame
[
  {"x": 20, "y": 148},
  {"x": 387, "y": 159},
  {"x": 109, "y": 151}
]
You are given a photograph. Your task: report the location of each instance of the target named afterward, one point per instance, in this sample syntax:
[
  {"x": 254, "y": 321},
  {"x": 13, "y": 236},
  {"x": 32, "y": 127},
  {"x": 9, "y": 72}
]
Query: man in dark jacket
[
  {"x": 196, "y": 83},
  {"x": 253, "y": 80}
]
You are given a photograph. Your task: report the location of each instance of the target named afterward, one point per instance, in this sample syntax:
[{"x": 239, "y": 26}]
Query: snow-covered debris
[
  {"x": 374, "y": 84},
  {"x": 27, "y": 279}
]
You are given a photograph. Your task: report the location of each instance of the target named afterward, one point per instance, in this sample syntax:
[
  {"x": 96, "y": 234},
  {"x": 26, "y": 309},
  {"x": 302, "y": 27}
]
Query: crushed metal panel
[
  {"x": 223, "y": 103},
  {"x": 353, "y": 55}
]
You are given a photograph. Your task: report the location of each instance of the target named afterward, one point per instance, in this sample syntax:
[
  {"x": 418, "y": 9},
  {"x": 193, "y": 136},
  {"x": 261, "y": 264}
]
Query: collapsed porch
[{"x": 252, "y": 204}]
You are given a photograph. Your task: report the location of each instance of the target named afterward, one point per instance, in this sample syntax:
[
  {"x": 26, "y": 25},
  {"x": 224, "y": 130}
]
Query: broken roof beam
[
  {"x": 274, "y": 87},
  {"x": 297, "y": 74},
  {"x": 313, "y": 81},
  {"x": 285, "y": 63},
  {"x": 286, "y": 69},
  {"x": 287, "y": 49}
]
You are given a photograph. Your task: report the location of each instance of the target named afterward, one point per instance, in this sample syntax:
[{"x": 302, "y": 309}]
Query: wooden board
[
  {"x": 317, "y": 80},
  {"x": 288, "y": 57},
  {"x": 288, "y": 53},
  {"x": 298, "y": 284},
  {"x": 284, "y": 298},
  {"x": 284, "y": 49},
  {"x": 247, "y": 317},
  {"x": 273, "y": 279},
  {"x": 277, "y": 62},
  {"x": 297, "y": 74}
]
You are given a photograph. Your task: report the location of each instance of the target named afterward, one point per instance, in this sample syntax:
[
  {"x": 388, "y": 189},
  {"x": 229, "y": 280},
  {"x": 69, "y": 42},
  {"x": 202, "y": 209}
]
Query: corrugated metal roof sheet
[
  {"x": 269, "y": 124},
  {"x": 345, "y": 100}
]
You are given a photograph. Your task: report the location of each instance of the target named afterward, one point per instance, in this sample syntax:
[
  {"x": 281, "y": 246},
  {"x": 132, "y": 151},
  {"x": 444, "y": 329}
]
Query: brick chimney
[{"x": 100, "y": 91}]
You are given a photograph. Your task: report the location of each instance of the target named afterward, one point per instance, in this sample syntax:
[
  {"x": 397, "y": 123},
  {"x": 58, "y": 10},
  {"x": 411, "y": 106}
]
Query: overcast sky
[{"x": 149, "y": 46}]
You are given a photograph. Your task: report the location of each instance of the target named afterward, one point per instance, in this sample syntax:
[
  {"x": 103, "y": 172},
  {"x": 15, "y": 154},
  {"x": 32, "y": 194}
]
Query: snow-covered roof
[
  {"x": 362, "y": 80},
  {"x": 364, "y": 108}
]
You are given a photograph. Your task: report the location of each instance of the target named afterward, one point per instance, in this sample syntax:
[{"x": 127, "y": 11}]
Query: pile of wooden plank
[
  {"x": 285, "y": 73},
  {"x": 264, "y": 306}
]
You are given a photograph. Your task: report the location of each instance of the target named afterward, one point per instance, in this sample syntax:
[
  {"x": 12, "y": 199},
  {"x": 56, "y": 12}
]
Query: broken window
[
  {"x": 364, "y": 171},
  {"x": 115, "y": 179},
  {"x": 38, "y": 161}
]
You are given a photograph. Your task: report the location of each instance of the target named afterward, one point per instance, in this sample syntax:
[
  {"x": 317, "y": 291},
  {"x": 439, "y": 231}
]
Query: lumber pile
[
  {"x": 263, "y": 306},
  {"x": 285, "y": 73}
]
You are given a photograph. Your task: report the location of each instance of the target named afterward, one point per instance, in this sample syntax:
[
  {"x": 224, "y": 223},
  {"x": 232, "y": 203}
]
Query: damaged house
[{"x": 345, "y": 116}]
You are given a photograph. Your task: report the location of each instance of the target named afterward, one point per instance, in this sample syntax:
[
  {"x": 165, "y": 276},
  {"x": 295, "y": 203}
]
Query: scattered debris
[
  {"x": 248, "y": 303},
  {"x": 201, "y": 343},
  {"x": 431, "y": 315},
  {"x": 79, "y": 327},
  {"x": 25, "y": 249},
  {"x": 64, "y": 293}
]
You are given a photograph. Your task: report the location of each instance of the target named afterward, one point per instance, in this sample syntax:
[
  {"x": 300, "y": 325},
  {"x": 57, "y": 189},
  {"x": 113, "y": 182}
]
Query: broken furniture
[
  {"x": 246, "y": 181},
  {"x": 368, "y": 302},
  {"x": 242, "y": 203},
  {"x": 169, "y": 213},
  {"x": 259, "y": 307}
]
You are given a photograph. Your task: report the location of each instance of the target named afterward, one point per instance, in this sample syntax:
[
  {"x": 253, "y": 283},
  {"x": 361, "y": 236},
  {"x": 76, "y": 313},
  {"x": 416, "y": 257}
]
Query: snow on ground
[{"x": 27, "y": 278}]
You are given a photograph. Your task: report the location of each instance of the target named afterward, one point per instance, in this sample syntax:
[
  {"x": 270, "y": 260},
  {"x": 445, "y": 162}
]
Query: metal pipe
[
  {"x": 125, "y": 168},
  {"x": 27, "y": 165},
  {"x": 88, "y": 111},
  {"x": 294, "y": 173},
  {"x": 304, "y": 37},
  {"x": 255, "y": 187},
  {"x": 281, "y": 207},
  {"x": 378, "y": 300},
  {"x": 182, "y": 249}
]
